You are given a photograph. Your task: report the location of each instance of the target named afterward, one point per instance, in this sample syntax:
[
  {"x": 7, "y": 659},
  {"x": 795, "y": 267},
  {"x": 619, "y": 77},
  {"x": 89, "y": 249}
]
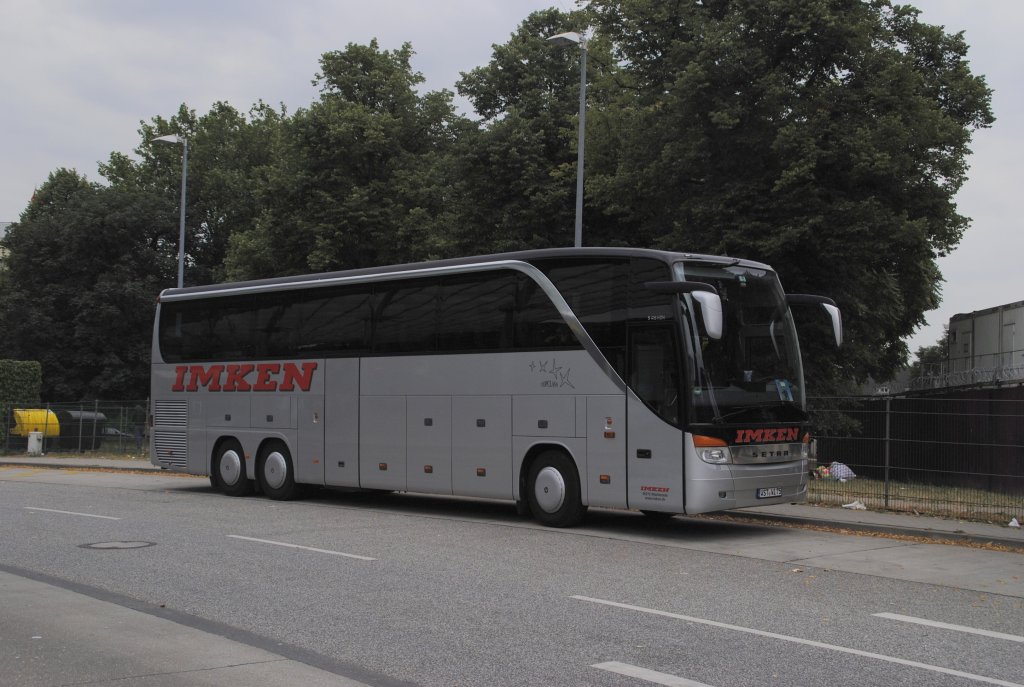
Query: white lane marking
[
  {"x": 805, "y": 642},
  {"x": 68, "y": 512},
  {"x": 948, "y": 626},
  {"x": 304, "y": 548},
  {"x": 648, "y": 675}
]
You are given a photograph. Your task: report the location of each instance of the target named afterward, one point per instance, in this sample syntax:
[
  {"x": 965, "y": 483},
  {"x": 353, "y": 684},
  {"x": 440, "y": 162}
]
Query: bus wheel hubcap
[
  {"x": 230, "y": 467},
  {"x": 549, "y": 489},
  {"x": 275, "y": 470}
]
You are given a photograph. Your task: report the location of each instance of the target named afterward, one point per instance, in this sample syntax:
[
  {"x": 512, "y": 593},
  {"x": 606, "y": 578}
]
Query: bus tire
[
  {"x": 275, "y": 471},
  {"x": 553, "y": 490},
  {"x": 227, "y": 473}
]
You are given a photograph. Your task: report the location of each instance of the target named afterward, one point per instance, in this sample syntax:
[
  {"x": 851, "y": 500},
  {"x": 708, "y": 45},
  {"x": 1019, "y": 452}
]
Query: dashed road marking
[
  {"x": 68, "y": 512},
  {"x": 304, "y": 548},
  {"x": 805, "y": 642},
  {"x": 949, "y": 626},
  {"x": 649, "y": 675}
]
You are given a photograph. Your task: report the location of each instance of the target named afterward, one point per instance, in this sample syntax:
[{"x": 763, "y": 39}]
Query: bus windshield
[{"x": 753, "y": 373}]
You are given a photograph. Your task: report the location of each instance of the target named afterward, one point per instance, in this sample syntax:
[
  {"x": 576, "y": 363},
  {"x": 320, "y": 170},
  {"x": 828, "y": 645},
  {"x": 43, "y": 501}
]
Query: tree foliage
[
  {"x": 826, "y": 138},
  {"x": 358, "y": 173},
  {"x": 84, "y": 271}
]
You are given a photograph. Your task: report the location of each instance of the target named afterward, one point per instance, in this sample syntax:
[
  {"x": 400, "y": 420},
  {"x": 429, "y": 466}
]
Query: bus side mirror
[
  {"x": 830, "y": 307},
  {"x": 705, "y": 294}
]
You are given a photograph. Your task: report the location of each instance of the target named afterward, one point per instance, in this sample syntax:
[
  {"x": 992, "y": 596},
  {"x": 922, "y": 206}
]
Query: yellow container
[{"x": 44, "y": 421}]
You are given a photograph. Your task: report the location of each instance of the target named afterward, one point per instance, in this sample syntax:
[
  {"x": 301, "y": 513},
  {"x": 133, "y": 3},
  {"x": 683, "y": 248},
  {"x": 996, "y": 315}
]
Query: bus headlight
[
  {"x": 712, "y": 450},
  {"x": 716, "y": 456}
]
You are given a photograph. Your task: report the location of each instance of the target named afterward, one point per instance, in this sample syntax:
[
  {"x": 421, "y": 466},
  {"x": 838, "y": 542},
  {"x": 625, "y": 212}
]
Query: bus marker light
[
  {"x": 606, "y": 479},
  {"x": 481, "y": 472},
  {"x": 429, "y": 469},
  {"x": 382, "y": 466},
  {"x": 609, "y": 435}
]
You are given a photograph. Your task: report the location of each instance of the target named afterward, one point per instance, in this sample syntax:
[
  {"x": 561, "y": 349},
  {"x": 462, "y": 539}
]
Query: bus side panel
[
  {"x": 382, "y": 443},
  {"x": 482, "y": 446},
  {"x": 341, "y": 422},
  {"x": 606, "y": 451},
  {"x": 199, "y": 446},
  {"x": 654, "y": 456},
  {"x": 309, "y": 453},
  {"x": 430, "y": 444}
]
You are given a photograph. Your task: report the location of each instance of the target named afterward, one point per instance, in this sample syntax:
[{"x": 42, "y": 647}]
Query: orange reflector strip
[
  {"x": 609, "y": 435},
  {"x": 702, "y": 441}
]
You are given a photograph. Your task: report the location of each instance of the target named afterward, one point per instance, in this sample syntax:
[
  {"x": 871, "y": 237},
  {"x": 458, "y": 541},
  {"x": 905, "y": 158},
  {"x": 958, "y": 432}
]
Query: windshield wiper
[{"x": 739, "y": 410}]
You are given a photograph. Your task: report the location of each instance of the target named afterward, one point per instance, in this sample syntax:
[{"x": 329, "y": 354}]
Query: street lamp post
[
  {"x": 174, "y": 138},
  {"x": 573, "y": 38}
]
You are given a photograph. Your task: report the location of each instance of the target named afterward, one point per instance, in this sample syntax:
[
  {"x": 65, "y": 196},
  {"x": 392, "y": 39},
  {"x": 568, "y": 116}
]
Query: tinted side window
[
  {"x": 476, "y": 312},
  {"x": 646, "y": 305},
  {"x": 597, "y": 291},
  {"x": 216, "y": 329},
  {"x": 405, "y": 317},
  {"x": 334, "y": 321},
  {"x": 538, "y": 324}
]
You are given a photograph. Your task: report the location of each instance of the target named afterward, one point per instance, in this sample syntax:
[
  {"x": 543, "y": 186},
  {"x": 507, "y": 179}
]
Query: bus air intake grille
[
  {"x": 171, "y": 448},
  {"x": 171, "y": 414}
]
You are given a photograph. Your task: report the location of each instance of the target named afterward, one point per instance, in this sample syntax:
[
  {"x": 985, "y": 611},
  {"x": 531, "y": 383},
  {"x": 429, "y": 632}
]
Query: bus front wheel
[
  {"x": 277, "y": 477},
  {"x": 553, "y": 490},
  {"x": 228, "y": 470}
]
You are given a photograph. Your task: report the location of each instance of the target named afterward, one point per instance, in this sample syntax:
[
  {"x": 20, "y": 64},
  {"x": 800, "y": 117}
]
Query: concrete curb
[
  {"x": 130, "y": 466},
  {"x": 874, "y": 528}
]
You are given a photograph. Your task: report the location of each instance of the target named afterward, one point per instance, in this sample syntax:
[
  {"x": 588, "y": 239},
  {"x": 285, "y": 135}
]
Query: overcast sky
[{"x": 77, "y": 77}]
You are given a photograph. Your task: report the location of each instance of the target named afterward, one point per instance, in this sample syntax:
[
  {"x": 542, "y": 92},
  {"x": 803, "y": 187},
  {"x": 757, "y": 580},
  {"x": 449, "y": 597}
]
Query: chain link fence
[
  {"x": 116, "y": 427},
  {"x": 958, "y": 455}
]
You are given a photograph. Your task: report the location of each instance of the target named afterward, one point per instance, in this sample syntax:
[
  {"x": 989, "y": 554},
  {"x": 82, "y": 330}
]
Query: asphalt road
[{"x": 397, "y": 589}]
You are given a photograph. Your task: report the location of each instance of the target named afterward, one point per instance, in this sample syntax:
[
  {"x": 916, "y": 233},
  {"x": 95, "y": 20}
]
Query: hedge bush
[{"x": 21, "y": 382}]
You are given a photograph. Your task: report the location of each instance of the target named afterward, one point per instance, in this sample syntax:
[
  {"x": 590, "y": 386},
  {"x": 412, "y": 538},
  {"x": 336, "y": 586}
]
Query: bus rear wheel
[
  {"x": 553, "y": 490},
  {"x": 228, "y": 470},
  {"x": 274, "y": 467}
]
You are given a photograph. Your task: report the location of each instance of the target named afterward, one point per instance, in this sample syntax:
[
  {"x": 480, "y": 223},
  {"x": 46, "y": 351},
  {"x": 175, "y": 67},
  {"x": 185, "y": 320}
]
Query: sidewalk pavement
[
  {"x": 54, "y": 632},
  {"x": 868, "y": 521}
]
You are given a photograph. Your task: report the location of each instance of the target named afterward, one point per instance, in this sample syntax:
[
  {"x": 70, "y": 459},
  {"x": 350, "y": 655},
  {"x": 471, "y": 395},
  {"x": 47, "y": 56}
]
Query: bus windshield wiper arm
[{"x": 738, "y": 410}]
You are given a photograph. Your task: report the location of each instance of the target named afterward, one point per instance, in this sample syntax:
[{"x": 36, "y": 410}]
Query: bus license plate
[{"x": 769, "y": 493}]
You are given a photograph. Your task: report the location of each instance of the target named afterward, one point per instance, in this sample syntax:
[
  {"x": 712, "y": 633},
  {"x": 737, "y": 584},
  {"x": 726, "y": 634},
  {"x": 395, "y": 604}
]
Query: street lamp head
[
  {"x": 169, "y": 138},
  {"x": 567, "y": 38}
]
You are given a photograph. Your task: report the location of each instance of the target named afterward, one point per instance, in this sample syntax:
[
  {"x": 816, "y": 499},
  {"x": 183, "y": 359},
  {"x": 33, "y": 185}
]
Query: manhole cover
[{"x": 118, "y": 545}]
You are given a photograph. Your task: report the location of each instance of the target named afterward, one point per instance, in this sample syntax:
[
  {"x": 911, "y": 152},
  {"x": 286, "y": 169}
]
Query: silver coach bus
[{"x": 560, "y": 379}]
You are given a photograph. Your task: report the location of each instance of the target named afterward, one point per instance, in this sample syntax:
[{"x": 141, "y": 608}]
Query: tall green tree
[
  {"x": 826, "y": 138},
  {"x": 230, "y": 163},
  {"x": 517, "y": 173},
  {"x": 83, "y": 275},
  {"x": 359, "y": 179}
]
